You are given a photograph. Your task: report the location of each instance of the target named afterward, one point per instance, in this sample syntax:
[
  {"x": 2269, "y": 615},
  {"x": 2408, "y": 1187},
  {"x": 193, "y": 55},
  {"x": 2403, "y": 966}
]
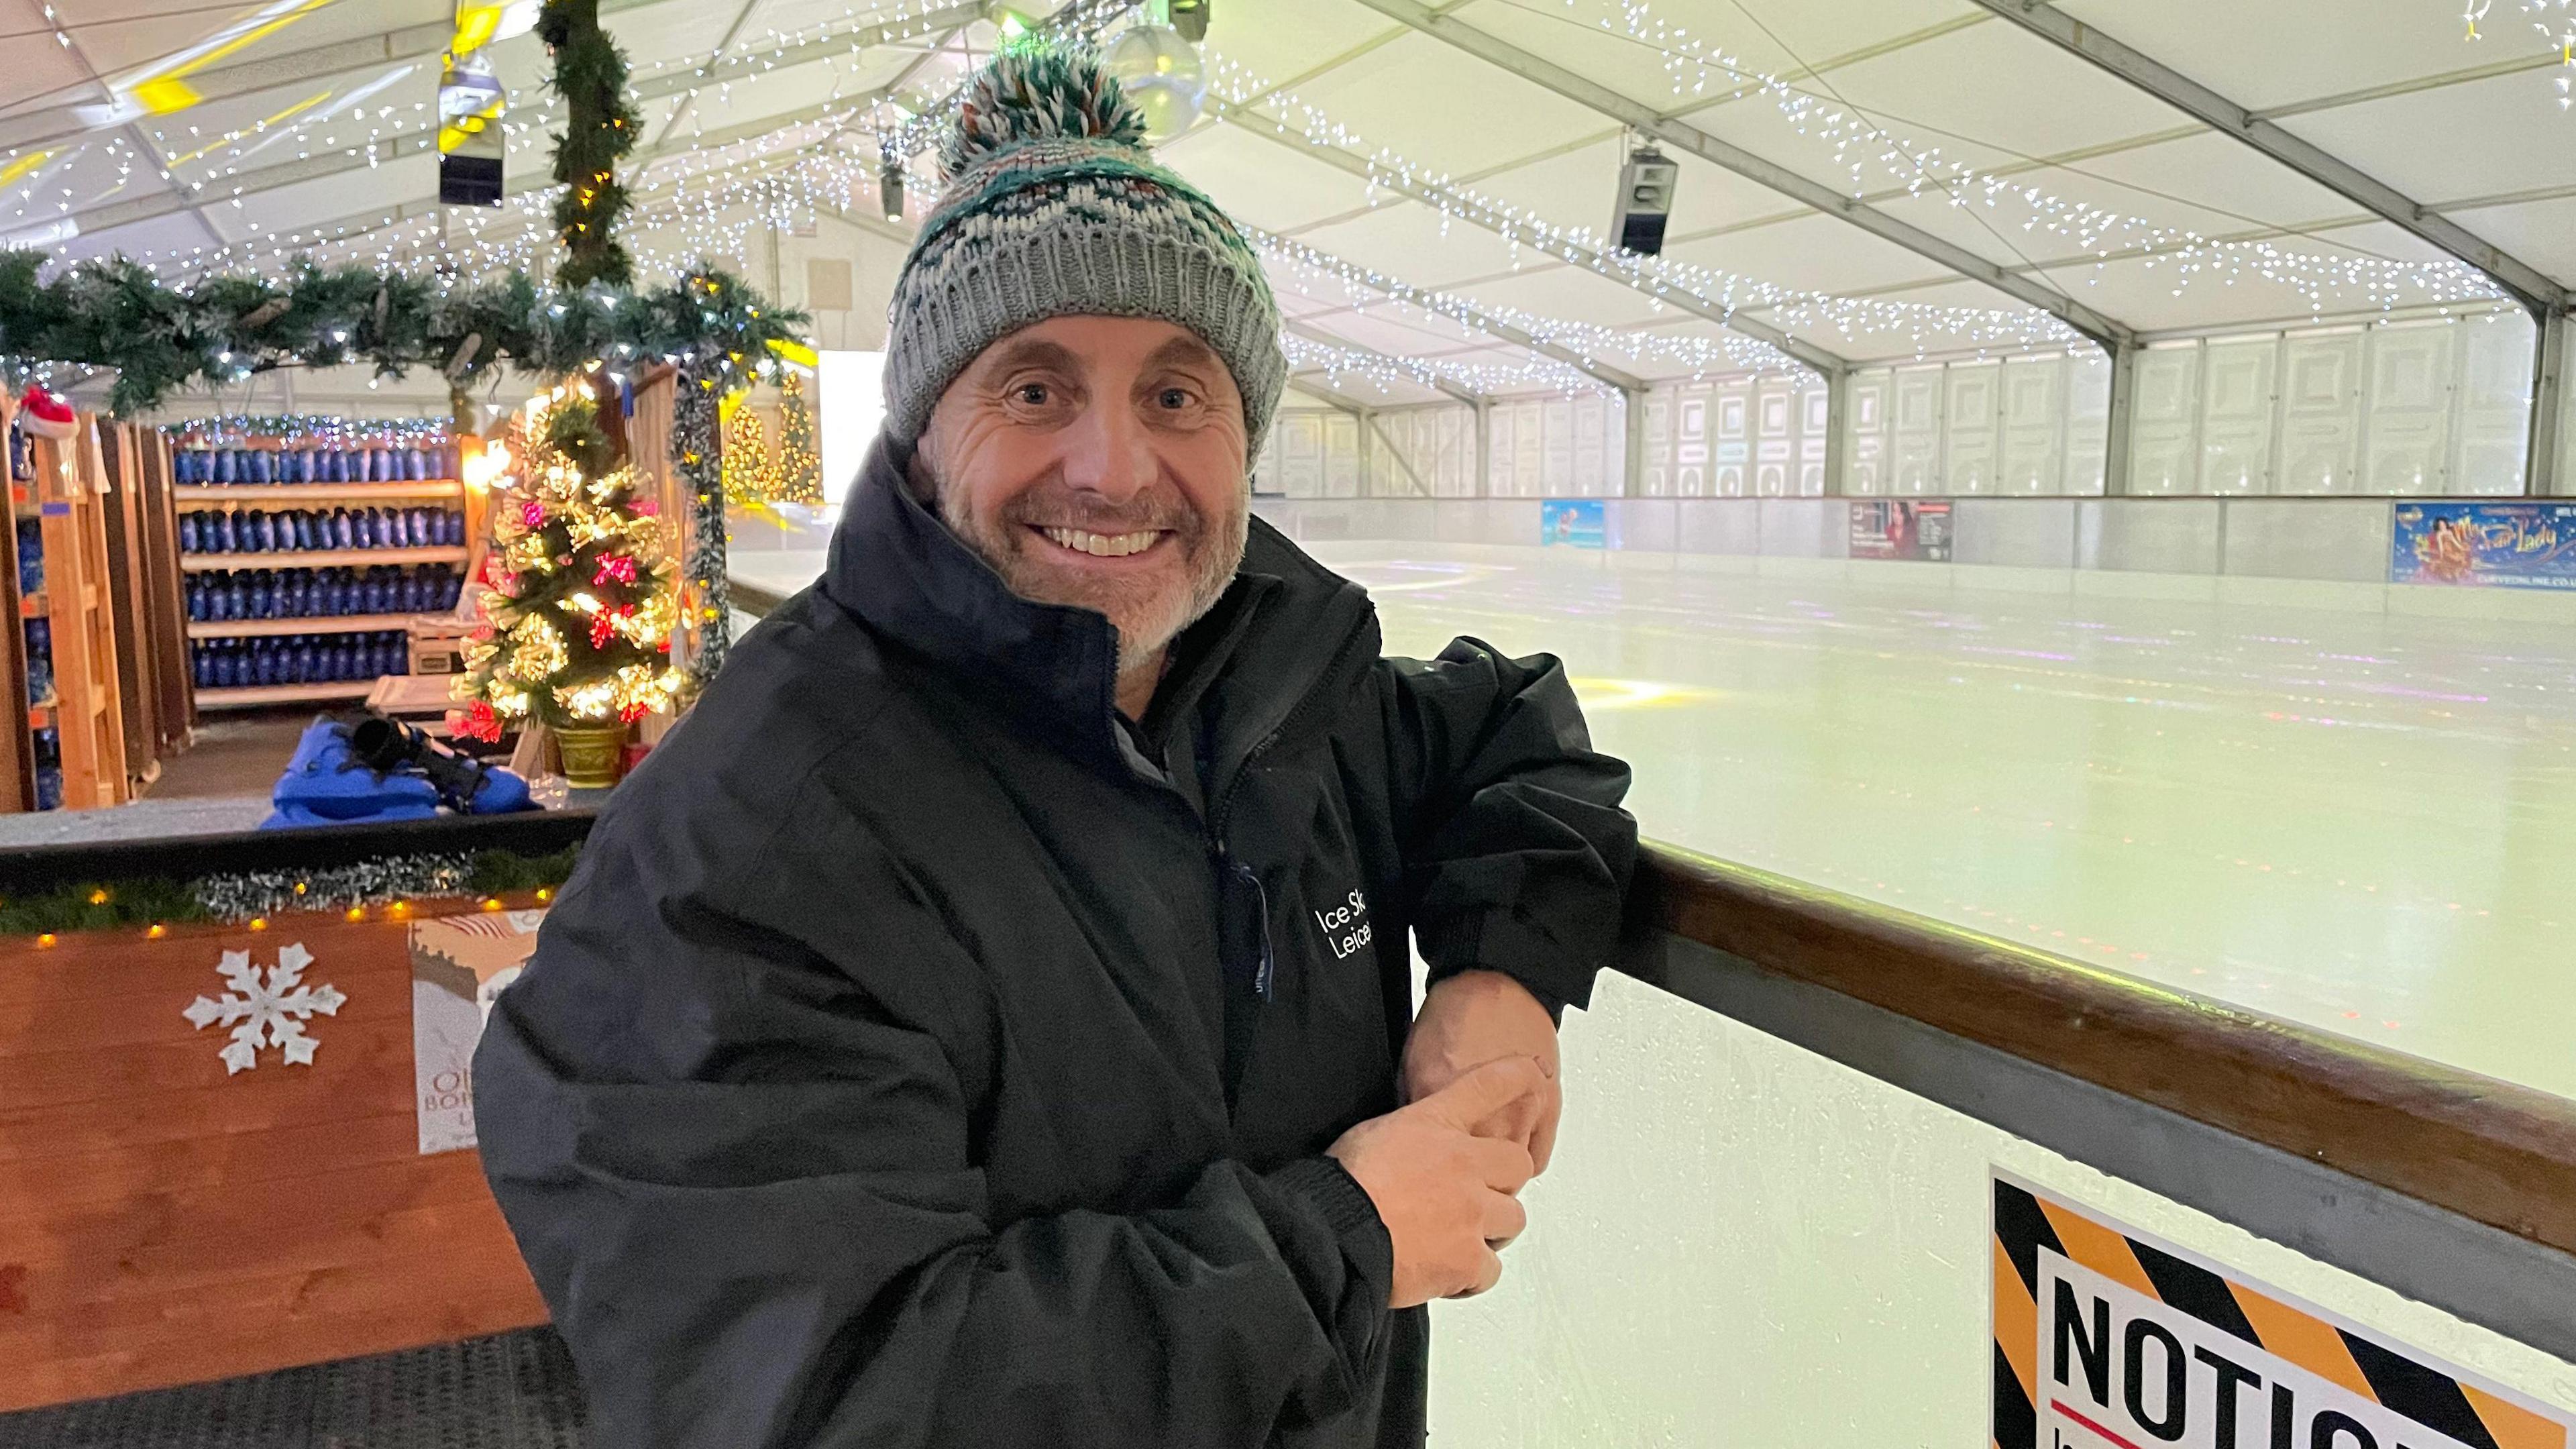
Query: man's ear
[{"x": 917, "y": 473}]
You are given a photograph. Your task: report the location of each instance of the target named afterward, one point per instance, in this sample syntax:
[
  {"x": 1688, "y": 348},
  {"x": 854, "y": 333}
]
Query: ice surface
[{"x": 2362, "y": 822}]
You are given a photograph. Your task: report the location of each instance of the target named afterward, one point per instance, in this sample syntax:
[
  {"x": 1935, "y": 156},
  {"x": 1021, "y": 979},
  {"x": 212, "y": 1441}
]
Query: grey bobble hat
[{"x": 1052, "y": 207}]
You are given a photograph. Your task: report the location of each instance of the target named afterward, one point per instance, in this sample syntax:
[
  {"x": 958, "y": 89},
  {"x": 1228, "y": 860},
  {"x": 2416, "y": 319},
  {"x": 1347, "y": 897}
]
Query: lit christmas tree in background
[
  {"x": 800, "y": 468},
  {"x": 749, "y": 476},
  {"x": 583, "y": 593}
]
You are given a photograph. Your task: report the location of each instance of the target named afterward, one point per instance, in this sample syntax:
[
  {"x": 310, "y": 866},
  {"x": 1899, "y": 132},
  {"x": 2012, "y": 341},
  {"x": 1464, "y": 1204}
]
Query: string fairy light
[{"x": 2103, "y": 234}]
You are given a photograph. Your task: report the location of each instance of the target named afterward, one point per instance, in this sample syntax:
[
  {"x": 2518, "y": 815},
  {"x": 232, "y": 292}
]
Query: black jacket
[{"x": 917, "y": 1058}]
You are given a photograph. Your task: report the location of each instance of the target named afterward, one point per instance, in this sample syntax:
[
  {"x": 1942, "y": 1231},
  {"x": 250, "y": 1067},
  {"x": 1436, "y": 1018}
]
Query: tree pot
[{"x": 592, "y": 754}]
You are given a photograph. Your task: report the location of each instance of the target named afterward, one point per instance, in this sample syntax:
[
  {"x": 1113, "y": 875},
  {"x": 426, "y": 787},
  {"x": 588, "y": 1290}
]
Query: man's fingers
[
  {"x": 1504, "y": 1219},
  {"x": 1488, "y": 1089},
  {"x": 1543, "y": 1143},
  {"x": 1504, "y": 1164},
  {"x": 1489, "y": 1271}
]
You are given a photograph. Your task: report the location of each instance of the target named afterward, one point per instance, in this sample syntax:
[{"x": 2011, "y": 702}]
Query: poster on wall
[
  {"x": 458, "y": 966},
  {"x": 1573, "y": 523},
  {"x": 2106, "y": 1337},
  {"x": 2508, "y": 545},
  {"x": 1900, "y": 529}
]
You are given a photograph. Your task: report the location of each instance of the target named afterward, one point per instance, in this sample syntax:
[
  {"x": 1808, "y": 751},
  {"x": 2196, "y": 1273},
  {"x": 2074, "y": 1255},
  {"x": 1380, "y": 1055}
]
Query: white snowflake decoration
[{"x": 271, "y": 1013}]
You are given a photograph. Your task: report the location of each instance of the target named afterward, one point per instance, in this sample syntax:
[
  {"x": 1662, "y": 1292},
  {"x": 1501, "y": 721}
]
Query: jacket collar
[{"x": 912, "y": 581}]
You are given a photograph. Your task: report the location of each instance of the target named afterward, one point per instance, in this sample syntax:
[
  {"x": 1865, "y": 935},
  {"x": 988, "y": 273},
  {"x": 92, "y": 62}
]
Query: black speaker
[{"x": 1646, "y": 187}]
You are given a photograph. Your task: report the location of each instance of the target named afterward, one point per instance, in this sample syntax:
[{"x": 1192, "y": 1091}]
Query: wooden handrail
[{"x": 2487, "y": 1150}]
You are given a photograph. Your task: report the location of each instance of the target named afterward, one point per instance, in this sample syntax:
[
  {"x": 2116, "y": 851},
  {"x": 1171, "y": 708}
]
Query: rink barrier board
[
  {"x": 164, "y": 1220},
  {"x": 2308, "y": 552},
  {"x": 2451, "y": 1188}
]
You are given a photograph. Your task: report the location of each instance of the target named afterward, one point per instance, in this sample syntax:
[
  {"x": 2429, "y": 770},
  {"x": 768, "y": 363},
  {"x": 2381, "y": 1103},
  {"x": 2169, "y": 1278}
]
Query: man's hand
[
  {"x": 1444, "y": 1193},
  {"x": 1476, "y": 1017}
]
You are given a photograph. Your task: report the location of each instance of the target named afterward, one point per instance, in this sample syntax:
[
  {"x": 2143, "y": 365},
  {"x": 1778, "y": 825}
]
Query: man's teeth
[{"x": 1101, "y": 545}]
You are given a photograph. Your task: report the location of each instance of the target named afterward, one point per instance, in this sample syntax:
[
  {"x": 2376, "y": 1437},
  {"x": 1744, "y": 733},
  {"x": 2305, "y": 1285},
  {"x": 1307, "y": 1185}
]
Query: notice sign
[
  {"x": 1573, "y": 523},
  {"x": 458, "y": 966},
  {"x": 2516, "y": 545},
  {"x": 1900, "y": 529},
  {"x": 2108, "y": 1339}
]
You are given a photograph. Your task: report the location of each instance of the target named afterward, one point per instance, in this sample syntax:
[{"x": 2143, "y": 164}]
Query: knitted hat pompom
[{"x": 1038, "y": 92}]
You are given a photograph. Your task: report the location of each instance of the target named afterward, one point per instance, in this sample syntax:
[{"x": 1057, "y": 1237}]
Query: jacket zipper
[{"x": 1265, "y": 967}]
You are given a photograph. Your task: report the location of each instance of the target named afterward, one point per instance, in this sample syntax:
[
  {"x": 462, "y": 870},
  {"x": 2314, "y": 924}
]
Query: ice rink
[{"x": 2363, "y": 822}]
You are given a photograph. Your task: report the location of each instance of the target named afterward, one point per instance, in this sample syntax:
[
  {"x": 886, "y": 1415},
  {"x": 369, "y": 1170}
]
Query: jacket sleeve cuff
[
  {"x": 1324, "y": 1186},
  {"x": 1492, "y": 940}
]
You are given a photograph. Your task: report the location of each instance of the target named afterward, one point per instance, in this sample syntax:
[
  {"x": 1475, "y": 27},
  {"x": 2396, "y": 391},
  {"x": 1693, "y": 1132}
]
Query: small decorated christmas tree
[
  {"x": 749, "y": 477},
  {"x": 800, "y": 468},
  {"x": 583, "y": 597}
]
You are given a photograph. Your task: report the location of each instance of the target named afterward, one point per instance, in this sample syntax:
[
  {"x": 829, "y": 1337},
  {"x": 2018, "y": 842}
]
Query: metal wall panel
[
  {"x": 1865, "y": 445},
  {"x": 1815, "y": 403},
  {"x": 2165, "y": 453},
  {"x": 1731, "y": 441},
  {"x": 2034, "y": 435},
  {"x": 2321, "y": 397},
  {"x": 1658, "y": 472},
  {"x": 1776, "y": 420},
  {"x": 1915, "y": 452},
  {"x": 2238, "y": 399},
  {"x": 1690, "y": 449},
  {"x": 1526, "y": 462},
  {"x": 2088, "y": 422},
  {"x": 2491, "y": 437},
  {"x": 1341, "y": 456},
  {"x": 1972, "y": 399},
  {"x": 2407, "y": 448}
]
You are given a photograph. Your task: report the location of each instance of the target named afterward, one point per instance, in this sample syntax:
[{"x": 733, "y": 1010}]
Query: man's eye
[
  {"x": 1175, "y": 398},
  {"x": 1034, "y": 394}
]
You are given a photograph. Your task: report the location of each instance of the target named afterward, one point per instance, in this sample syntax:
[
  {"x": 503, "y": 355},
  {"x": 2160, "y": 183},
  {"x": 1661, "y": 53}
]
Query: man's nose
[{"x": 1107, "y": 453}]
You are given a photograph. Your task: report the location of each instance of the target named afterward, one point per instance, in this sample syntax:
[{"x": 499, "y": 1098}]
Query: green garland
[
  {"x": 133, "y": 904},
  {"x": 599, "y": 131},
  {"x": 162, "y": 340}
]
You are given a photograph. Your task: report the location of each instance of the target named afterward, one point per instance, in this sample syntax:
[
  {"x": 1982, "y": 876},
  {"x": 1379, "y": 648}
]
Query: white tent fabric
[{"x": 1432, "y": 180}]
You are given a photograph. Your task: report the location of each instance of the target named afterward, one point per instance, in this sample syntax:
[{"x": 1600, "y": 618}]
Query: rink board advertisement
[
  {"x": 2105, "y": 1337},
  {"x": 2509, "y": 545},
  {"x": 1895, "y": 528},
  {"x": 458, "y": 966},
  {"x": 1573, "y": 523}
]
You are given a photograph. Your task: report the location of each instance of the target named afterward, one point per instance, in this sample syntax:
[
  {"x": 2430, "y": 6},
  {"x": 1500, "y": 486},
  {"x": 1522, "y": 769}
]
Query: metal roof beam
[
  {"x": 1318, "y": 335},
  {"x": 1683, "y": 136},
  {"x": 2527, "y": 284},
  {"x": 1492, "y": 326},
  {"x": 1806, "y": 353}
]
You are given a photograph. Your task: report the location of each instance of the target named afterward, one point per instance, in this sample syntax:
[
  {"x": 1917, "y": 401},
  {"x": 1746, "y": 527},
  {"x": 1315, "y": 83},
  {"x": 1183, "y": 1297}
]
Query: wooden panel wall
[{"x": 164, "y": 1223}]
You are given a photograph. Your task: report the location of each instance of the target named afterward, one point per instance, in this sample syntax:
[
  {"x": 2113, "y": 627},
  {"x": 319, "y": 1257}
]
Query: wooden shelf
[
  {"x": 197, "y": 563},
  {"x": 251, "y": 696},
  {"x": 33, "y": 606},
  {"x": 254, "y": 492},
  {"x": 324, "y": 624}
]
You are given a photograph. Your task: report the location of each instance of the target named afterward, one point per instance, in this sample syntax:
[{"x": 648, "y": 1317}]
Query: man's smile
[{"x": 1100, "y": 545}]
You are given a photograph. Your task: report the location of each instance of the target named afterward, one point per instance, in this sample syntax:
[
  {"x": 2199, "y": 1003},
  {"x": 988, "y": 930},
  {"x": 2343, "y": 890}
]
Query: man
[{"x": 984, "y": 1020}]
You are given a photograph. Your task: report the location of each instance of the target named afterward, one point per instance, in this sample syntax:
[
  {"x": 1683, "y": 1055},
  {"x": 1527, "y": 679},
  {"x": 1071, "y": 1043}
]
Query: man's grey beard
[{"x": 1144, "y": 626}]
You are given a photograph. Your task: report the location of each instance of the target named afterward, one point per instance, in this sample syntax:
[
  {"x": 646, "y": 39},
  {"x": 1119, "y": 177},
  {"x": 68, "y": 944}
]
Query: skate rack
[
  {"x": 68, "y": 494},
  {"x": 443, "y": 492}
]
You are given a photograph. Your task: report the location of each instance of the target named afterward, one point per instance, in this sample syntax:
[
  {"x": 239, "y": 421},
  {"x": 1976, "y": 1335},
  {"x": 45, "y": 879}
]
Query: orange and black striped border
[{"x": 2025, "y": 1222}]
